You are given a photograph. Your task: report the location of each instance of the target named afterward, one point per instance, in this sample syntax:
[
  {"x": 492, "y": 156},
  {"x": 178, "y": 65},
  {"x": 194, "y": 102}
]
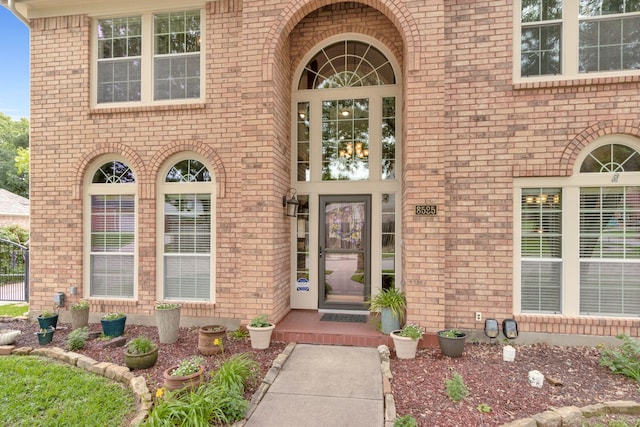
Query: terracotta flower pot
[
  {"x": 178, "y": 382},
  {"x": 207, "y": 335}
]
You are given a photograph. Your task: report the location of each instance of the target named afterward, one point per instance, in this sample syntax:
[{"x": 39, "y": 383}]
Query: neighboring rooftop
[{"x": 12, "y": 204}]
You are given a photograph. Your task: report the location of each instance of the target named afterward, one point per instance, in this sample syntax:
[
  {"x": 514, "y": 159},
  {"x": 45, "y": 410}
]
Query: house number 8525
[{"x": 426, "y": 210}]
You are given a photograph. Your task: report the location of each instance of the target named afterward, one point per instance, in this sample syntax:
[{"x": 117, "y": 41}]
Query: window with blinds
[
  {"x": 113, "y": 232},
  {"x": 187, "y": 234},
  {"x": 610, "y": 250},
  {"x": 541, "y": 250}
]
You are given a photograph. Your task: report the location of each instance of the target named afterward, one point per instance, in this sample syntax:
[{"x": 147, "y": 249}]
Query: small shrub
[
  {"x": 239, "y": 334},
  {"x": 113, "y": 316},
  {"x": 484, "y": 408},
  {"x": 140, "y": 345},
  {"x": 624, "y": 359},
  {"x": 457, "y": 390},
  {"x": 260, "y": 321},
  {"x": 411, "y": 331},
  {"x": 77, "y": 338},
  {"x": 80, "y": 305},
  {"x": 239, "y": 370},
  {"x": 405, "y": 421}
]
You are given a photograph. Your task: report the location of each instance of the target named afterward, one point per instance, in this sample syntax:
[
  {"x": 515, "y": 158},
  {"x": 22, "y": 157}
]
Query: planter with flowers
[
  {"x": 168, "y": 322},
  {"x": 188, "y": 373},
  {"x": 391, "y": 303},
  {"x": 113, "y": 324},
  {"x": 80, "y": 314},
  {"x": 406, "y": 340},
  {"x": 260, "y": 330}
]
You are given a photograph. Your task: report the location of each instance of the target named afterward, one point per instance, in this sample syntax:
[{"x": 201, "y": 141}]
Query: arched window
[
  {"x": 112, "y": 231},
  {"x": 580, "y": 236},
  {"x": 187, "y": 194}
]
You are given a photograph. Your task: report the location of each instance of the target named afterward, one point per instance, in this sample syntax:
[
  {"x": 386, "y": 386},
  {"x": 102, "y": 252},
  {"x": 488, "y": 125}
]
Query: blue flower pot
[{"x": 113, "y": 328}]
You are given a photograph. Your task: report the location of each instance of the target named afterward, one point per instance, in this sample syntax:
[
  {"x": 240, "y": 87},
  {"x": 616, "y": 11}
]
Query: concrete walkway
[{"x": 322, "y": 386}]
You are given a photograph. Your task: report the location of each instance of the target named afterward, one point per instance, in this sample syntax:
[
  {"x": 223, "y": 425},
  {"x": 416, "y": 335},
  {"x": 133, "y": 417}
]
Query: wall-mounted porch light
[
  {"x": 291, "y": 204},
  {"x": 510, "y": 328},
  {"x": 491, "y": 328}
]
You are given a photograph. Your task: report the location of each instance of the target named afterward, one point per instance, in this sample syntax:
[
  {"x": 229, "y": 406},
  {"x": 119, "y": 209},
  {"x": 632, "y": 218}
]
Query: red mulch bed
[
  {"x": 418, "y": 385},
  {"x": 168, "y": 354}
]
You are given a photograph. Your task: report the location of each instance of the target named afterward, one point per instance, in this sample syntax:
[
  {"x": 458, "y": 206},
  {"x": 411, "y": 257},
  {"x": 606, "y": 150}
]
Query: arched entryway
[{"x": 346, "y": 128}]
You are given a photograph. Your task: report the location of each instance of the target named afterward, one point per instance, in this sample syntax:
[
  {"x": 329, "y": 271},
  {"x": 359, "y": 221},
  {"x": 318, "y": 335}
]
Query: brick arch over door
[
  {"x": 350, "y": 28},
  {"x": 130, "y": 156},
  {"x": 297, "y": 10},
  {"x": 205, "y": 151},
  {"x": 600, "y": 129}
]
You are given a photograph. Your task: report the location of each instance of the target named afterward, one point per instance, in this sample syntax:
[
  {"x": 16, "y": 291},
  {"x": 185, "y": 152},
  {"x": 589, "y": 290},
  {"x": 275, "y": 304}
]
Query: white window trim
[
  {"x": 177, "y": 188},
  {"x": 147, "y": 60},
  {"x": 91, "y": 189},
  {"x": 569, "y": 49},
  {"x": 570, "y": 287}
]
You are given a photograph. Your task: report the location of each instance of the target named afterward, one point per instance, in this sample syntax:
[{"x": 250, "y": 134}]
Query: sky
[{"x": 14, "y": 66}]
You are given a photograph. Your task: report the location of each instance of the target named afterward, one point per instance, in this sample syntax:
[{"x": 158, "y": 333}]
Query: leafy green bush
[
  {"x": 456, "y": 388},
  {"x": 77, "y": 338},
  {"x": 239, "y": 370},
  {"x": 405, "y": 421},
  {"x": 624, "y": 359}
]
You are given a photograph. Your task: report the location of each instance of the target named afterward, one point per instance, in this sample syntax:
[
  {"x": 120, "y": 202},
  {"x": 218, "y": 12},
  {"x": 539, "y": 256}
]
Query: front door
[{"x": 344, "y": 253}]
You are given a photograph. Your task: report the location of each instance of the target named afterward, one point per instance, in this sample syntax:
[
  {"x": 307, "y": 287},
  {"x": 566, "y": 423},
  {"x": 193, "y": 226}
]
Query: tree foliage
[{"x": 14, "y": 155}]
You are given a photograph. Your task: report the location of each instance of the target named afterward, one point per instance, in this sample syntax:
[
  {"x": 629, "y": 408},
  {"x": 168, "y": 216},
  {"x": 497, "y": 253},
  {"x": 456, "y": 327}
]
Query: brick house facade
[{"x": 474, "y": 136}]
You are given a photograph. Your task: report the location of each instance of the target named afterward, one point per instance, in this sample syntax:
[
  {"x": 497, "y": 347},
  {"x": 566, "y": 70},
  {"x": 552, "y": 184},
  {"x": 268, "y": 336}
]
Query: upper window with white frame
[
  {"x": 148, "y": 57},
  {"x": 573, "y": 38}
]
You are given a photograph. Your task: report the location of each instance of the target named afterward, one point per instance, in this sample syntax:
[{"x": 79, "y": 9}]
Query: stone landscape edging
[
  {"x": 574, "y": 416},
  {"x": 118, "y": 373}
]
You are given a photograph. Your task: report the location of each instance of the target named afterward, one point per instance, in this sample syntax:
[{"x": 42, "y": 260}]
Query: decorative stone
[
  {"x": 536, "y": 379},
  {"x": 508, "y": 353}
]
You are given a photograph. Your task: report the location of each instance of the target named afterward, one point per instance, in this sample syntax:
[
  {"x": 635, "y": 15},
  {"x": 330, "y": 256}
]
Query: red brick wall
[{"x": 468, "y": 130}]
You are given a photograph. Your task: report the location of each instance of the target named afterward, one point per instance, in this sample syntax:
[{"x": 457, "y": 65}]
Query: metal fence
[{"x": 14, "y": 271}]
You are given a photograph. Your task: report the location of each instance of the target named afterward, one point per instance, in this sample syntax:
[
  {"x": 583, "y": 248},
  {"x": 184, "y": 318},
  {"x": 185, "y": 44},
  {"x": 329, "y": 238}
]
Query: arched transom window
[
  {"x": 347, "y": 63},
  {"x": 611, "y": 158},
  {"x": 187, "y": 230}
]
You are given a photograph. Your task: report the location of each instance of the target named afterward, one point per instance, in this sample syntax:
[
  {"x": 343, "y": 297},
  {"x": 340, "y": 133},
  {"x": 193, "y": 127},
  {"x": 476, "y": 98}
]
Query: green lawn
[
  {"x": 39, "y": 392},
  {"x": 13, "y": 310}
]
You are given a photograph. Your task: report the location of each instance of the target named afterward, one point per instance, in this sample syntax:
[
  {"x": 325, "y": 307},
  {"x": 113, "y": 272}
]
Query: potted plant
[
  {"x": 140, "y": 353},
  {"x": 80, "y": 314},
  {"x": 113, "y": 324},
  {"x": 48, "y": 319},
  {"x": 391, "y": 304},
  {"x": 45, "y": 335},
  {"x": 260, "y": 330},
  {"x": 406, "y": 340},
  {"x": 451, "y": 342},
  {"x": 188, "y": 373},
  {"x": 168, "y": 321},
  {"x": 207, "y": 336}
]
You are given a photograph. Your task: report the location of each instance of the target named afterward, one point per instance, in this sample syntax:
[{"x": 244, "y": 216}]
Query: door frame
[{"x": 322, "y": 251}]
